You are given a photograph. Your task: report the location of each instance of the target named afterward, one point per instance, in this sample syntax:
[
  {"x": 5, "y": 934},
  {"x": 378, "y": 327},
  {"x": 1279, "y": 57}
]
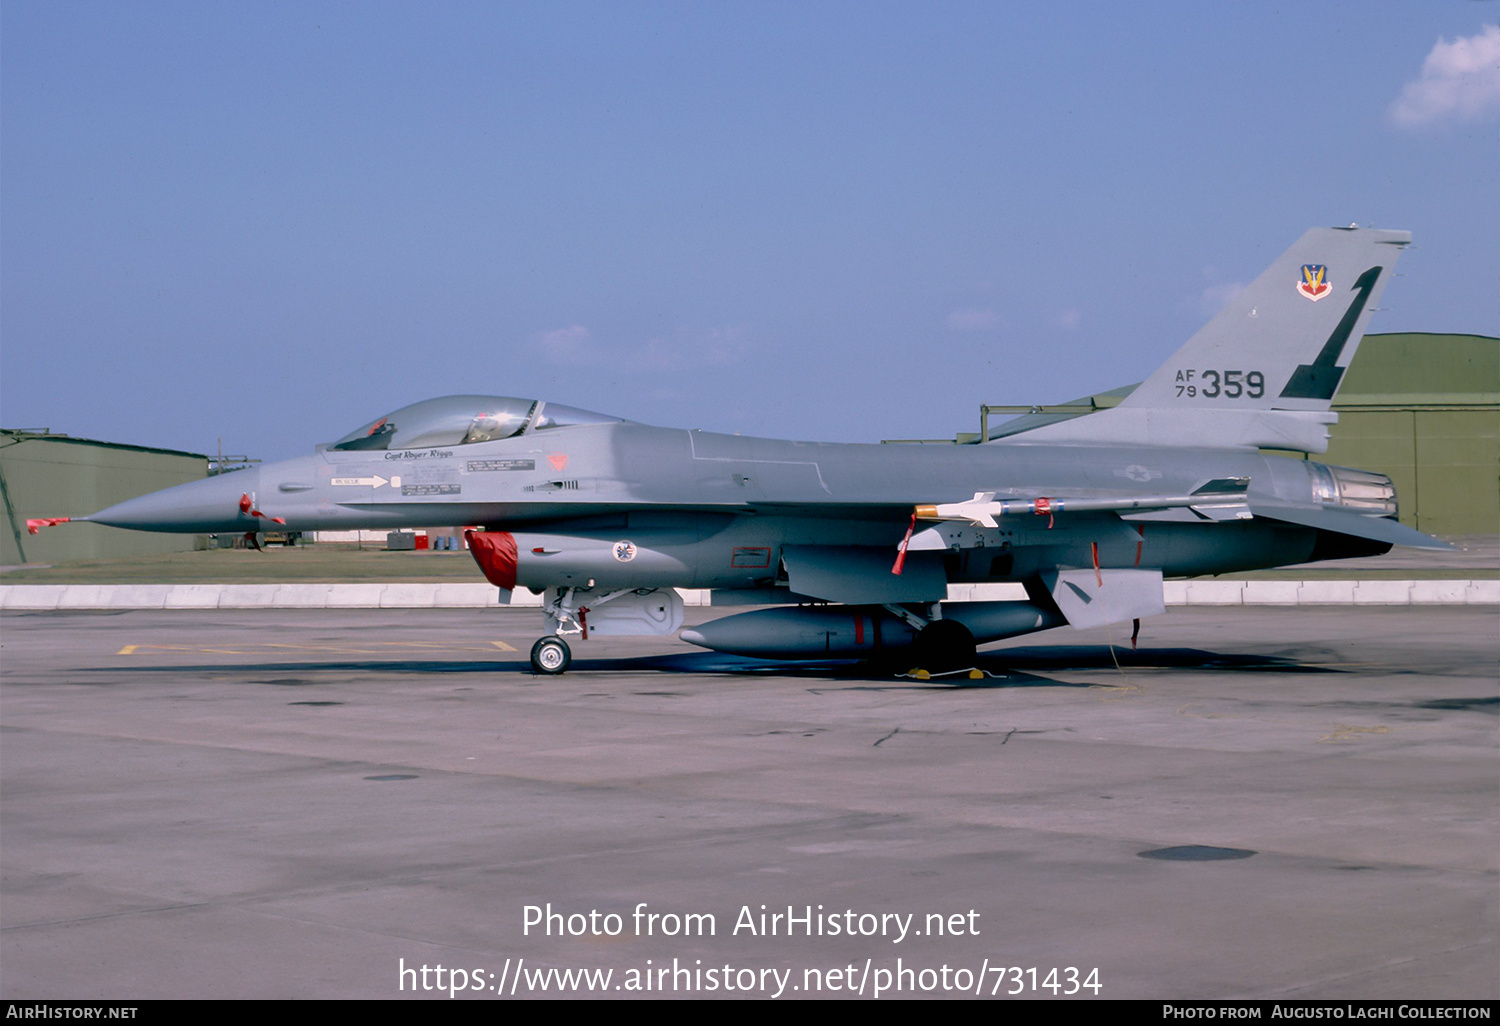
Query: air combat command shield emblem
[{"x": 1314, "y": 284}]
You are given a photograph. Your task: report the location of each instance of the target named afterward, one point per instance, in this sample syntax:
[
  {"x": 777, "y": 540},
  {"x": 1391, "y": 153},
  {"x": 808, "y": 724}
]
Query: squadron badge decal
[
  {"x": 1314, "y": 284},
  {"x": 624, "y": 551}
]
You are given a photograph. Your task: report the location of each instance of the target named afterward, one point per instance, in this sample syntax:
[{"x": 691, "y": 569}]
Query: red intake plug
[{"x": 495, "y": 552}]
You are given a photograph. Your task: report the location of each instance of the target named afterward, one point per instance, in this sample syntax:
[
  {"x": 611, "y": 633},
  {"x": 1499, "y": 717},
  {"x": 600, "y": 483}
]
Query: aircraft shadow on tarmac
[{"x": 1017, "y": 667}]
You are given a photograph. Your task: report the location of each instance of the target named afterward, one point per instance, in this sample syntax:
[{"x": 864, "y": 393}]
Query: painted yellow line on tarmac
[
  {"x": 364, "y": 648},
  {"x": 132, "y": 649},
  {"x": 1343, "y": 732}
]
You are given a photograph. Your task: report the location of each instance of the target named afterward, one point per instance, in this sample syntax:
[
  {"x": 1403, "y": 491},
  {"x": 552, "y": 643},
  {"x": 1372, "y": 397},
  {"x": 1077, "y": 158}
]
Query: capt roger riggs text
[{"x": 806, "y": 921}]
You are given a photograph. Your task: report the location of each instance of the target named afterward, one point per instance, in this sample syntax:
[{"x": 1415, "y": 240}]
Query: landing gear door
[
  {"x": 614, "y": 614},
  {"x": 656, "y": 612}
]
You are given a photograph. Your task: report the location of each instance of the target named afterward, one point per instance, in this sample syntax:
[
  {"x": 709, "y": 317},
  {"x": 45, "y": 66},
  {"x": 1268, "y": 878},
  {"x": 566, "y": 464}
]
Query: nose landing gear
[{"x": 550, "y": 655}]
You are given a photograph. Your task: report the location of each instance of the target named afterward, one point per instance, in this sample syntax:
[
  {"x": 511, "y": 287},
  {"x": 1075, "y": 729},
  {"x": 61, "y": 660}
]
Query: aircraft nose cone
[{"x": 210, "y": 506}]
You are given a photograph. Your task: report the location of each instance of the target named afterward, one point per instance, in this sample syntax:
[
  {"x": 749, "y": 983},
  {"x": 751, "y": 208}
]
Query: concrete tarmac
[{"x": 1260, "y": 803}]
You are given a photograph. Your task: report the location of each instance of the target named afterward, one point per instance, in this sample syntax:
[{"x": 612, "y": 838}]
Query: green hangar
[{"x": 50, "y": 475}]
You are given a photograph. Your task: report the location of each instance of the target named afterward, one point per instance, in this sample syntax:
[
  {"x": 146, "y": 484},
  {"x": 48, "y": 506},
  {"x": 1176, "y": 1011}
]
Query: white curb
[{"x": 482, "y": 596}]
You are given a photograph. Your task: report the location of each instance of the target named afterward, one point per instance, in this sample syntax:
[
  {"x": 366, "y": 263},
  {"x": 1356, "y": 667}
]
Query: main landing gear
[
  {"x": 940, "y": 646},
  {"x": 550, "y": 655},
  {"x": 944, "y": 645}
]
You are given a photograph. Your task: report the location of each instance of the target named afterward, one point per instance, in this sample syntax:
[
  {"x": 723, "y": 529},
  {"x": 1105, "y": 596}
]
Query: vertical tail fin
[
  {"x": 1296, "y": 328},
  {"x": 1264, "y": 371}
]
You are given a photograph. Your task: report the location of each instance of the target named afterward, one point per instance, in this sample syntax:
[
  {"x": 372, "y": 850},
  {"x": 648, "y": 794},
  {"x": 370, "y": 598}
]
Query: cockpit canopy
[{"x": 462, "y": 420}]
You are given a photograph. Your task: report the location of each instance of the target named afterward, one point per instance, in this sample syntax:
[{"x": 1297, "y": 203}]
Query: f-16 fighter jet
[{"x": 851, "y": 549}]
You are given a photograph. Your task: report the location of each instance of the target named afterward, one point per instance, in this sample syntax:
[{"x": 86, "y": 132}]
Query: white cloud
[
  {"x": 1069, "y": 319},
  {"x": 570, "y": 345},
  {"x": 574, "y": 346},
  {"x": 715, "y": 347},
  {"x": 1213, "y": 298},
  {"x": 972, "y": 320},
  {"x": 1460, "y": 80}
]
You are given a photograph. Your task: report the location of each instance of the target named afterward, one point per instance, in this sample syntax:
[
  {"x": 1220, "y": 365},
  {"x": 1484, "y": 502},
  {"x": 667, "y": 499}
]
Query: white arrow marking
[{"x": 374, "y": 482}]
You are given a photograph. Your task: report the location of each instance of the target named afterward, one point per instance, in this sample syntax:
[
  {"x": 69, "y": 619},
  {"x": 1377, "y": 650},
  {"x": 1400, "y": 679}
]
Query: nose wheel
[{"x": 550, "y": 655}]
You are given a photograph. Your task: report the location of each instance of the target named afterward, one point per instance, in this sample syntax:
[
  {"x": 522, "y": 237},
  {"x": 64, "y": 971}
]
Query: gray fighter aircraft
[{"x": 853, "y": 547}]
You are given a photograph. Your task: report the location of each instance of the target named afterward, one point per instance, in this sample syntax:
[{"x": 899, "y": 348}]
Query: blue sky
[{"x": 271, "y": 222}]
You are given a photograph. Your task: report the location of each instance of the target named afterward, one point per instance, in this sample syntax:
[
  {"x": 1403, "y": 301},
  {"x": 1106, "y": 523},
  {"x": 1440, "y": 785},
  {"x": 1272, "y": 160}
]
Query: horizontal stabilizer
[{"x": 1357, "y": 525}]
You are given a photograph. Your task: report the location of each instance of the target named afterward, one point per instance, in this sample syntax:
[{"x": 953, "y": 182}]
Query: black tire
[
  {"x": 944, "y": 645},
  {"x": 550, "y": 655}
]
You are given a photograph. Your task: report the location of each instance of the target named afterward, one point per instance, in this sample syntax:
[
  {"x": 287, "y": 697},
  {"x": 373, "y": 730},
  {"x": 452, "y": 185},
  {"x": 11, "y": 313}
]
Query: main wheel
[
  {"x": 550, "y": 655},
  {"x": 944, "y": 645}
]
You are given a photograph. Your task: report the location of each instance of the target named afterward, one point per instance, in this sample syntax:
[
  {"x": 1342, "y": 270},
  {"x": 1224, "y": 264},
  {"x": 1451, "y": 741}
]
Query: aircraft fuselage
[{"x": 707, "y": 510}]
